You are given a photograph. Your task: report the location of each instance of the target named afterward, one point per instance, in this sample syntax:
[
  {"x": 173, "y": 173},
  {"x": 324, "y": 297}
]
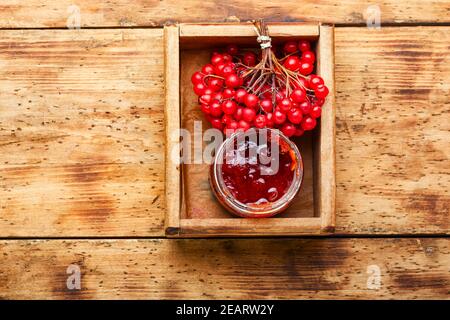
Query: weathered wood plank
[
  {"x": 393, "y": 130},
  {"x": 81, "y": 133},
  {"x": 115, "y": 13},
  {"x": 244, "y": 269}
]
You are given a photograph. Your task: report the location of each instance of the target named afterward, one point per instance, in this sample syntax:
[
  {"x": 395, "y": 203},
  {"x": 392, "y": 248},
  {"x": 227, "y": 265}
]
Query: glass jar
[{"x": 245, "y": 184}]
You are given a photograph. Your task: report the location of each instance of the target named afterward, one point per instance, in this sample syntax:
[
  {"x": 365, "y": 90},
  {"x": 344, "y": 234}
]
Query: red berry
[
  {"x": 299, "y": 132},
  {"x": 232, "y": 49},
  {"x": 215, "y": 84},
  {"x": 216, "y": 59},
  {"x": 229, "y": 107},
  {"x": 238, "y": 114},
  {"x": 288, "y": 129},
  {"x": 305, "y": 107},
  {"x": 295, "y": 115},
  {"x": 228, "y": 93},
  {"x": 269, "y": 120},
  {"x": 280, "y": 95},
  {"x": 218, "y": 96},
  {"x": 227, "y": 57},
  {"x": 279, "y": 117},
  {"x": 199, "y": 89},
  {"x": 248, "y": 114},
  {"x": 208, "y": 91},
  {"x": 231, "y": 127},
  {"x": 226, "y": 118},
  {"x": 304, "y": 45},
  {"x": 266, "y": 105},
  {"x": 218, "y": 69},
  {"x": 232, "y": 81},
  {"x": 285, "y": 105},
  {"x": 314, "y": 81},
  {"x": 197, "y": 77},
  {"x": 206, "y": 109},
  {"x": 308, "y": 56},
  {"x": 244, "y": 125},
  {"x": 227, "y": 70},
  {"x": 249, "y": 59},
  {"x": 260, "y": 121},
  {"x": 301, "y": 83},
  {"x": 215, "y": 109},
  {"x": 315, "y": 112},
  {"x": 292, "y": 63},
  {"x": 205, "y": 99},
  {"x": 290, "y": 47},
  {"x": 240, "y": 95},
  {"x": 208, "y": 69},
  {"x": 308, "y": 123},
  {"x": 298, "y": 95},
  {"x": 321, "y": 91},
  {"x": 251, "y": 100},
  {"x": 305, "y": 68},
  {"x": 216, "y": 123}
]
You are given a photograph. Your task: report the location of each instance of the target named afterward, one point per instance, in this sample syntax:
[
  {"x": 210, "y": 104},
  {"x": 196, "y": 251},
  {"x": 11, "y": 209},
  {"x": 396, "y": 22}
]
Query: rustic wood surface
[
  {"x": 126, "y": 13},
  {"x": 82, "y": 135},
  {"x": 244, "y": 269},
  {"x": 82, "y": 155}
]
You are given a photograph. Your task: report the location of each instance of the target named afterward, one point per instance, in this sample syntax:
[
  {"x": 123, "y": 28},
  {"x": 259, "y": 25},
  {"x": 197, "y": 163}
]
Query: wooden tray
[{"x": 192, "y": 210}]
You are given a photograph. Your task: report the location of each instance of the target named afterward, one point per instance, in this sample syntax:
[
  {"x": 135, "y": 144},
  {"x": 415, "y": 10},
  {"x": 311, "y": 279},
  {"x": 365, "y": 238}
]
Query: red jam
[{"x": 252, "y": 181}]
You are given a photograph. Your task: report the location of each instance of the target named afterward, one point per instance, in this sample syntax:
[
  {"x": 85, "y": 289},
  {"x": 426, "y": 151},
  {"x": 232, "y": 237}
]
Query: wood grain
[
  {"x": 227, "y": 269},
  {"x": 120, "y": 13},
  {"x": 81, "y": 133},
  {"x": 393, "y": 130}
]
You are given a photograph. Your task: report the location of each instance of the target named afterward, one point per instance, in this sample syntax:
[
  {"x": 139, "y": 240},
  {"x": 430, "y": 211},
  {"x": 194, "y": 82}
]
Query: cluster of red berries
[{"x": 290, "y": 100}]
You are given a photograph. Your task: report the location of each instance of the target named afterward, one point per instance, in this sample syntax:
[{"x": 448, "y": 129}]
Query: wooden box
[{"x": 191, "y": 209}]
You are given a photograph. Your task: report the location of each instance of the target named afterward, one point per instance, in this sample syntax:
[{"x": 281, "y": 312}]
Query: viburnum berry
[
  {"x": 266, "y": 105},
  {"x": 279, "y": 117},
  {"x": 240, "y": 95},
  {"x": 305, "y": 107},
  {"x": 229, "y": 107},
  {"x": 217, "y": 96},
  {"x": 298, "y": 95},
  {"x": 227, "y": 57},
  {"x": 248, "y": 114},
  {"x": 292, "y": 63},
  {"x": 288, "y": 129},
  {"x": 215, "y": 84},
  {"x": 260, "y": 121},
  {"x": 226, "y": 118},
  {"x": 295, "y": 115},
  {"x": 232, "y": 49},
  {"x": 215, "y": 109},
  {"x": 197, "y": 77},
  {"x": 232, "y": 81},
  {"x": 228, "y": 93},
  {"x": 316, "y": 111},
  {"x": 216, "y": 59},
  {"x": 305, "y": 68},
  {"x": 218, "y": 69},
  {"x": 308, "y": 123},
  {"x": 199, "y": 88},
  {"x": 232, "y": 126},
  {"x": 208, "y": 91},
  {"x": 216, "y": 123},
  {"x": 249, "y": 59},
  {"x": 269, "y": 120},
  {"x": 205, "y": 108},
  {"x": 205, "y": 99},
  {"x": 251, "y": 100},
  {"x": 301, "y": 83},
  {"x": 238, "y": 113},
  {"x": 298, "y": 132},
  {"x": 227, "y": 70},
  {"x": 321, "y": 91},
  {"x": 244, "y": 125},
  {"x": 290, "y": 47},
  {"x": 308, "y": 56},
  {"x": 314, "y": 81},
  {"x": 208, "y": 69},
  {"x": 304, "y": 45},
  {"x": 285, "y": 105}
]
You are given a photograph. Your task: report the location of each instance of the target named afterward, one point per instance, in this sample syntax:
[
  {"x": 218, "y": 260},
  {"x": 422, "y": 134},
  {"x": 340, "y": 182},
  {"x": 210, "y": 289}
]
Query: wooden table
[{"x": 82, "y": 163}]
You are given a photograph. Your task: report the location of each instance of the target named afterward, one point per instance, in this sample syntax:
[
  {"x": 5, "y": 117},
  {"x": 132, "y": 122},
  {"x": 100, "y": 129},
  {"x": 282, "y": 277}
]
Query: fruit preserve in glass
[{"x": 257, "y": 173}]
